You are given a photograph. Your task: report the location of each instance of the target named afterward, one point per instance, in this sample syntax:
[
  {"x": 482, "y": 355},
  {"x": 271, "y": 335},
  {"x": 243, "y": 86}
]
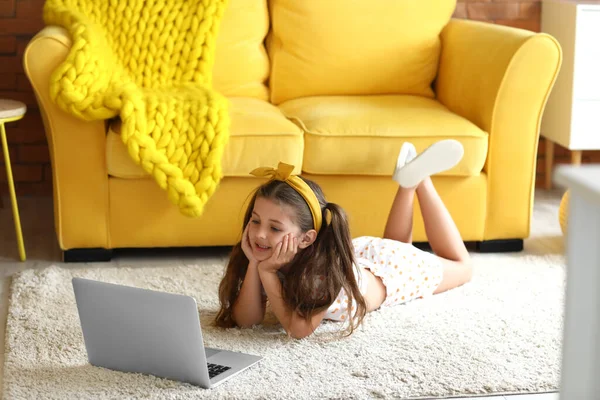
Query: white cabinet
[
  {"x": 572, "y": 115},
  {"x": 580, "y": 352}
]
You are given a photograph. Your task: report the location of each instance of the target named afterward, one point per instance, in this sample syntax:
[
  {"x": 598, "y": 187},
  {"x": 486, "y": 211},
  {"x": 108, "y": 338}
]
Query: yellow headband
[{"x": 284, "y": 173}]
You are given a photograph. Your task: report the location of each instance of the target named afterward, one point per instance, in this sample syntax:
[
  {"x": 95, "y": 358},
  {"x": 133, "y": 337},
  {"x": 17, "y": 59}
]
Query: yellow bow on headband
[{"x": 284, "y": 173}]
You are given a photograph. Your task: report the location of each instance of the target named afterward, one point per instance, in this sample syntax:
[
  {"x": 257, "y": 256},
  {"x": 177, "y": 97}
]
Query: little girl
[{"x": 296, "y": 250}]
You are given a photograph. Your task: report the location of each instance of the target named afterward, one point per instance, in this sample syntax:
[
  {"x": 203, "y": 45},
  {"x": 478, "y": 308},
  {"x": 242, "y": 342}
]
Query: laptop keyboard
[{"x": 214, "y": 370}]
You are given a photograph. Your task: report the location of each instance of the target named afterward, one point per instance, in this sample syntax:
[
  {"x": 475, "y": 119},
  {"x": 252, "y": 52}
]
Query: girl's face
[{"x": 269, "y": 223}]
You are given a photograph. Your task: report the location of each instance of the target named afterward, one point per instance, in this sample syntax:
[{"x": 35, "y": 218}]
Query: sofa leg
[
  {"x": 500, "y": 246},
  {"x": 87, "y": 255}
]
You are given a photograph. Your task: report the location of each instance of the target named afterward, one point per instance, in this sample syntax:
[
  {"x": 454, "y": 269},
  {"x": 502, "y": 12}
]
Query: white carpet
[{"x": 501, "y": 333}]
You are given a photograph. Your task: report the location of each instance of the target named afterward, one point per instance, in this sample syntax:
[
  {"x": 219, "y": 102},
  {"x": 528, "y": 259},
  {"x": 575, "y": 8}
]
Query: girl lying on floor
[{"x": 297, "y": 252}]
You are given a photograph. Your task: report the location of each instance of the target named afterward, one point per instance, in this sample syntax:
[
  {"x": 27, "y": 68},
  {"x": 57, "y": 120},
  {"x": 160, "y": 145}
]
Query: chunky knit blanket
[{"x": 149, "y": 62}]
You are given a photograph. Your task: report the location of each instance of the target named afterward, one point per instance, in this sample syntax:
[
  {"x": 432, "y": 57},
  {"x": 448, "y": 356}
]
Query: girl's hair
[{"x": 331, "y": 255}]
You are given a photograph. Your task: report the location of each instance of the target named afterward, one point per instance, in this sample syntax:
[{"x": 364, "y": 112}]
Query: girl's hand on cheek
[
  {"x": 246, "y": 247},
  {"x": 284, "y": 252}
]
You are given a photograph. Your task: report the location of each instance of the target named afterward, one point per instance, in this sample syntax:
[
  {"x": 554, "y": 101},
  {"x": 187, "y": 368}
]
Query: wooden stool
[{"x": 12, "y": 111}]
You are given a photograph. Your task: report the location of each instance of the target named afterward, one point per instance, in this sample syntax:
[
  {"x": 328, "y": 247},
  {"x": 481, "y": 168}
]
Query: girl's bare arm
[
  {"x": 249, "y": 307},
  {"x": 295, "y": 325}
]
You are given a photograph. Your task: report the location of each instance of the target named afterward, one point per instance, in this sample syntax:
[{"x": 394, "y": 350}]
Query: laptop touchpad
[{"x": 211, "y": 352}]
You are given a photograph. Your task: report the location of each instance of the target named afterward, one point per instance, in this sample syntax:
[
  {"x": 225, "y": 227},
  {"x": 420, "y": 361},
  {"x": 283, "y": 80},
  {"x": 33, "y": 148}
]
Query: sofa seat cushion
[
  {"x": 362, "y": 135},
  {"x": 259, "y": 136}
]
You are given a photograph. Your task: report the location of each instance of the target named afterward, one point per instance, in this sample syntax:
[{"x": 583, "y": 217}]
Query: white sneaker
[
  {"x": 438, "y": 157},
  {"x": 406, "y": 155}
]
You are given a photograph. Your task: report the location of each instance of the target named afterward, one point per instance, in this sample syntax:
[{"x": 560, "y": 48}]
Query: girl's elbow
[
  {"x": 247, "y": 322},
  {"x": 299, "y": 332},
  {"x": 300, "y": 335},
  {"x": 301, "y": 328},
  {"x": 244, "y": 324}
]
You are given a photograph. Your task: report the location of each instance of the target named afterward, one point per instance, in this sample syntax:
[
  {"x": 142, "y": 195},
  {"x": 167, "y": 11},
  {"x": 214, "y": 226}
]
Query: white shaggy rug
[{"x": 501, "y": 333}]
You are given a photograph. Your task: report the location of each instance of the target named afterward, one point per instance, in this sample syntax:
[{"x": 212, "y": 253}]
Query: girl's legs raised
[
  {"x": 400, "y": 219},
  {"x": 442, "y": 233},
  {"x": 444, "y": 238}
]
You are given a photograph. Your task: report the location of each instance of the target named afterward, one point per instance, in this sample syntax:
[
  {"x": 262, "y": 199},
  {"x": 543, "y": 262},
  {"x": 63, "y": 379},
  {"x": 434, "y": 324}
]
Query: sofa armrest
[
  {"x": 77, "y": 151},
  {"x": 500, "y": 78}
]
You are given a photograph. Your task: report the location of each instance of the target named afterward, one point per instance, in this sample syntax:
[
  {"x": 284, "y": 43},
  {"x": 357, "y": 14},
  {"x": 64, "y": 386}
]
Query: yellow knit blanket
[{"x": 149, "y": 62}]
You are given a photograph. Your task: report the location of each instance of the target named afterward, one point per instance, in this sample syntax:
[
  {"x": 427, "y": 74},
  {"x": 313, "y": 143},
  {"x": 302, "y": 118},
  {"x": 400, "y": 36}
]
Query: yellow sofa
[{"x": 334, "y": 88}]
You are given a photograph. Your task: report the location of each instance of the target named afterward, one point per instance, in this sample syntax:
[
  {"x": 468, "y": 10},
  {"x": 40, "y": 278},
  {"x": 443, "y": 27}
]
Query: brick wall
[{"x": 21, "y": 19}]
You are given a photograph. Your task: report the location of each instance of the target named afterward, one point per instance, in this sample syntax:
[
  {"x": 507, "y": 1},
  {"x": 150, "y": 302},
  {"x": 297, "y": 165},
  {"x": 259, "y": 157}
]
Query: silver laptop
[{"x": 145, "y": 331}]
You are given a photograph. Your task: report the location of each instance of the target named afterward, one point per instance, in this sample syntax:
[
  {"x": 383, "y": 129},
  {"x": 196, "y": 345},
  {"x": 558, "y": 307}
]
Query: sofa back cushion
[
  {"x": 241, "y": 66},
  {"x": 354, "y": 47}
]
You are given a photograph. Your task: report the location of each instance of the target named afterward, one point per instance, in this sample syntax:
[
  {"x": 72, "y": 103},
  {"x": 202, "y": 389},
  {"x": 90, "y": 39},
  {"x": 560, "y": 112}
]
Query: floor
[
  {"x": 544, "y": 396},
  {"x": 42, "y": 250}
]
